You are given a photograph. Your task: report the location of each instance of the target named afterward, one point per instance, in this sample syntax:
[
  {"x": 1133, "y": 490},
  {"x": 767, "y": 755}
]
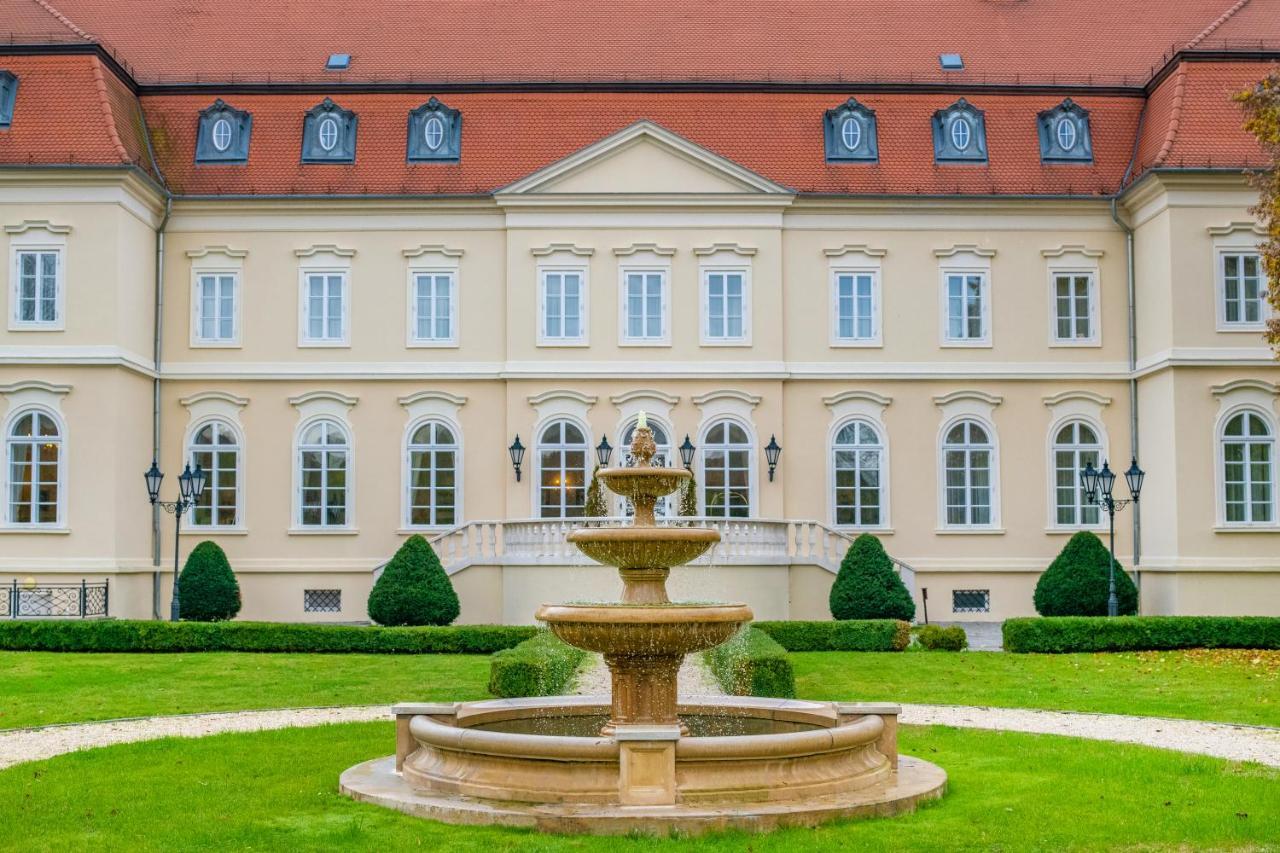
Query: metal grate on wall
[
  {"x": 322, "y": 601},
  {"x": 971, "y": 601}
]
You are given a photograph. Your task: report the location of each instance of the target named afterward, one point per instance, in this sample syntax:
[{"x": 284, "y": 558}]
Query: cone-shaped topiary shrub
[
  {"x": 867, "y": 587},
  {"x": 596, "y": 506},
  {"x": 689, "y": 498},
  {"x": 1075, "y": 584},
  {"x": 413, "y": 589},
  {"x": 207, "y": 588}
]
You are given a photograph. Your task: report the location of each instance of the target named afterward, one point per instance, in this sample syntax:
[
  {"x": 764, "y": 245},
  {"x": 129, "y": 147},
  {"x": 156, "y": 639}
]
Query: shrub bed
[
  {"x": 1056, "y": 634},
  {"x": 752, "y": 664},
  {"x": 849, "y": 635},
  {"x": 540, "y": 666},
  {"x": 936, "y": 638},
  {"x": 117, "y": 635}
]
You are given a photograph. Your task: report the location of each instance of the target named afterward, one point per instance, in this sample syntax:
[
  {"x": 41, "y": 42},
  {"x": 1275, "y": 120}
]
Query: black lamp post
[
  {"x": 604, "y": 451},
  {"x": 1098, "y": 486},
  {"x": 190, "y": 487},
  {"x": 517, "y": 455},
  {"x": 771, "y": 453},
  {"x": 686, "y": 452}
]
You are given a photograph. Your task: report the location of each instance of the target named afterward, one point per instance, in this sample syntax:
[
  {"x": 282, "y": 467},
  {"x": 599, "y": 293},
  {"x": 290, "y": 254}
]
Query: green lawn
[
  {"x": 37, "y": 688},
  {"x": 1238, "y": 686},
  {"x": 277, "y": 791}
]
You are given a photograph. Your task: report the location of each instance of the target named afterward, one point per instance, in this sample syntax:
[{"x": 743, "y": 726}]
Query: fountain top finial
[{"x": 643, "y": 447}]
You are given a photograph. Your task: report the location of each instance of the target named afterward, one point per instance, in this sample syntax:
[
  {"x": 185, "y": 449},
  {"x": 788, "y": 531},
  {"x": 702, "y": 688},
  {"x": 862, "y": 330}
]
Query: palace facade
[{"x": 936, "y": 257}]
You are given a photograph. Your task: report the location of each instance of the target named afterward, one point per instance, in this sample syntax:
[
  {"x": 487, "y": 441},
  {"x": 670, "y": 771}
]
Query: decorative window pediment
[
  {"x": 435, "y": 133},
  {"x": 328, "y": 134},
  {"x": 1064, "y": 134},
  {"x": 223, "y": 134},
  {"x": 850, "y": 131},
  {"x": 960, "y": 134},
  {"x": 8, "y": 94}
]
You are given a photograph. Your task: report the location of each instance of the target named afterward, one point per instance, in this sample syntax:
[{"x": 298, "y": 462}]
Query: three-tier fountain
[{"x": 643, "y": 758}]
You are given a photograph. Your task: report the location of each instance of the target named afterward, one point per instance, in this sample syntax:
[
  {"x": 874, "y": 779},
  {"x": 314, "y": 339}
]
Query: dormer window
[
  {"x": 8, "y": 94},
  {"x": 435, "y": 133},
  {"x": 850, "y": 131},
  {"x": 223, "y": 135},
  {"x": 1064, "y": 134},
  {"x": 328, "y": 134},
  {"x": 960, "y": 134}
]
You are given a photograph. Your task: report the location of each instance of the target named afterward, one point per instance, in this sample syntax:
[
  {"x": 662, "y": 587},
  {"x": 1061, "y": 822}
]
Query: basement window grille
[
  {"x": 322, "y": 601},
  {"x": 971, "y": 601}
]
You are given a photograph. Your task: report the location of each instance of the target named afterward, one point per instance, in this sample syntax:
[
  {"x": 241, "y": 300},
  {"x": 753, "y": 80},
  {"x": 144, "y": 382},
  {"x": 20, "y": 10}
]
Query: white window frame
[
  {"x": 625, "y": 339},
  {"x": 882, "y": 447},
  {"x": 1220, "y": 278},
  {"x": 993, "y": 525},
  {"x": 714, "y": 268},
  {"x": 17, "y": 412},
  {"x": 1095, "y": 315},
  {"x": 197, "y": 340},
  {"x": 1220, "y": 465},
  {"x": 191, "y": 446},
  {"x": 875, "y": 339},
  {"x": 1051, "y": 463},
  {"x": 59, "y": 322},
  {"x": 753, "y": 485},
  {"x": 584, "y": 305},
  {"x": 304, "y": 338},
  {"x": 349, "y": 524},
  {"x": 588, "y": 463},
  {"x": 946, "y": 272},
  {"x": 407, "y": 472},
  {"x": 412, "y": 339}
]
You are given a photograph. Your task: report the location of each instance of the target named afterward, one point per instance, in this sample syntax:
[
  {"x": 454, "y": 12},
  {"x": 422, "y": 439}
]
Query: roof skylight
[
  {"x": 951, "y": 62},
  {"x": 338, "y": 62}
]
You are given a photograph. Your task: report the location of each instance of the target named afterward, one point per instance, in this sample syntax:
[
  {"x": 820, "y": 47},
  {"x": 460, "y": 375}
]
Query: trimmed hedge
[
  {"x": 867, "y": 587},
  {"x": 752, "y": 664},
  {"x": 936, "y": 638},
  {"x": 540, "y": 666},
  {"x": 116, "y": 635},
  {"x": 414, "y": 589},
  {"x": 1077, "y": 582},
  {"x": 1057, "y": 634},
  {"x": 850, "y": 635},
  {"x": 207, "y": 588}
]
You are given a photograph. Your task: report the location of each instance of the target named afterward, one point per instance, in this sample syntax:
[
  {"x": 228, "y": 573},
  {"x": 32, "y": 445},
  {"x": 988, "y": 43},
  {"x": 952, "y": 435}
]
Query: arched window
[
  {"x": 726, "y": 471},
  {"x": 324, "y": 456},
  {"x": 34, "y": 458},
  {"x": 216, "y": 449},
  {"x": 662, "y": 458},
  {"x": 433, "y": 476},
  {"x": 1248, "y": 470},
  {"x": 858, "y": 459},
  {"x": 967, "y": 464},
  {"x": 562, "y": 466},
  {"x": 1075, "y": 445}
]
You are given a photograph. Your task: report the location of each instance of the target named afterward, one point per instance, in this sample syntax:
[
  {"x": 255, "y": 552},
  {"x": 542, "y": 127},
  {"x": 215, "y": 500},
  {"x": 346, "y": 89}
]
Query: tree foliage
[
  {"x": 414, "y": 589},
  {"x": 689, "y": 498},
  {"x": 1262, "y": 119},
  {"x": 867, "y": 587},
  {"x": 207, "y": 588},
  {"x": 597, "y": 506},
  {"x": 1077, "y": 581}
]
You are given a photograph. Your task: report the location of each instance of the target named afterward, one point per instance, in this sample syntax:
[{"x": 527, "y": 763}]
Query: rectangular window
[
  {"x": 325, "y": 307},
  {"x": 966, "y": 296},
  {"x": 36, "y": 297},
  {"x": 726, "y": 305},
  {"x": 563, "y": 306},
  {"x": 433, "y": 303},
  {"x": 644, "y": 294},
  {"x": 855, "y": 306},
  {"x": 322, "y": 601},
  {"x": 1243, "y": 289},
  {"x": 1073, "y": 309},
  {"x": 970, "y": 601},
  {"x": 216, "y": 307}
]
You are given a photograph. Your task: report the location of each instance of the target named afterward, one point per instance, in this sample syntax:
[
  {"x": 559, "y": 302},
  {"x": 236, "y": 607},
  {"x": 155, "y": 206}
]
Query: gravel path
[{"x": 1236, "y": 743}]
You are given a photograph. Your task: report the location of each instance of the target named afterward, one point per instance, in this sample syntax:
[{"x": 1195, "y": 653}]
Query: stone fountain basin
[
  {"x": 639, "y": 629},
  {"x": 643, "y": 481},
  {"x": 644, "y": 547}
]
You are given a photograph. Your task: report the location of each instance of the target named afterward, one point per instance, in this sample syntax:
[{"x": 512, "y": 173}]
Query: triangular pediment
[{"x": 644, "y": 159}]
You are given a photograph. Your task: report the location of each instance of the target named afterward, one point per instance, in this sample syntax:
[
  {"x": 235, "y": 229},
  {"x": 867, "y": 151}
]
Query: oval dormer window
[
  {"x": 221, "y": 134},
  {"x": 850, "y": 133},
  {"x": 433, "y": 132},
  {"x": 327, "y": 133},
  {"x": 961, "y": 134},
  {"x": 1066, "y": 131}
]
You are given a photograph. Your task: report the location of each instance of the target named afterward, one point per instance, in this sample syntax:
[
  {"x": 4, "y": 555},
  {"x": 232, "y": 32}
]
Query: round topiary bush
[
  {"x": 207, "y": 588},
  {"x": 1076, "y": 582},
  {"x": 413, "y": 589},
  {"x": 867, "y": 587}
]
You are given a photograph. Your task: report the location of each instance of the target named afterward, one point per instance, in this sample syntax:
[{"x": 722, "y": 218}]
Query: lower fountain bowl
[
  {"x": 748, "y": 763},
  {"x": 644, "y": 629}
]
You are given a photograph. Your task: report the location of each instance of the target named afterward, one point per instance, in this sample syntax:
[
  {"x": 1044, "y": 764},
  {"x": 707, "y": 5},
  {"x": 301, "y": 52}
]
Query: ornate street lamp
[
  {"x": 1098, "y": 487},
  {"x": 603, "y": 451},
  {"x": 190, "y": 489},
  {"x": 771, "y": 452},
  {"x": 686, "y": 452},
  {"x": 517, "y": 455}
]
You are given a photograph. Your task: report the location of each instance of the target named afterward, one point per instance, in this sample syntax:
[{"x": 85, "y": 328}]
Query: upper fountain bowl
[
  {"x": 643, "y": 482},
  {"x": 644, "y": 547}
]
